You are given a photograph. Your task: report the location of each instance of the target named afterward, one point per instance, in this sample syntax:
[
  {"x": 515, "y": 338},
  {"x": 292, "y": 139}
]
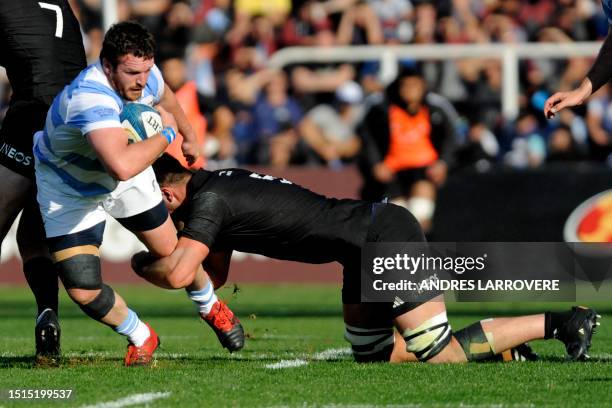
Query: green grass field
[{"x": 298, "y": 324}]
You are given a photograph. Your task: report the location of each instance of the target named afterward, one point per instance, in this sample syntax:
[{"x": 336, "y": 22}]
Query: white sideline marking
[
  {"x": 287, "y": 364},
  {"x": 281, "y": 337},
  {"x": 601, "y": 356},
  {"x": 333, "y": 354},
  {"x": 136, "y": 399},
  {"x": 325, "y": 355}
]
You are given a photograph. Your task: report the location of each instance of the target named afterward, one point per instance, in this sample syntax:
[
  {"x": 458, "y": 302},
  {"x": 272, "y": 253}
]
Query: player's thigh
[
  {"x": 62, "y": 213},
  {"x": 31, "y": 232},
  {"x": 22, "y": 120},
  {"x": 15, "y": 191},
  {"x": 393, "y": 223},
  {"x": 16, "y": 160},
  {"x": 160, "y": 240},
  {"x": 368, "y": 315},
  {"x": 137, "y": 205}
]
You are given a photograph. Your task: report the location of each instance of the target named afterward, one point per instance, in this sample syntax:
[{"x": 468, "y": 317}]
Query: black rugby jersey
[
  {"x": 249, "y": 212},
  {"x": 40, "y": 46}
]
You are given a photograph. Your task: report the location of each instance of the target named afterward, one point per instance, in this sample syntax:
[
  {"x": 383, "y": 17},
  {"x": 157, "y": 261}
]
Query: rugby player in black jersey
[
  {"x": 42, "y": 50},
  {"x": 235, "y": 209}
]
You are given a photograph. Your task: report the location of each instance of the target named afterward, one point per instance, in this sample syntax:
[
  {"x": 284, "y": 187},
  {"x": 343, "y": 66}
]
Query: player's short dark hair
[
  {"x": 127, "y": 37},
  {"x": 168, "y": 170}
]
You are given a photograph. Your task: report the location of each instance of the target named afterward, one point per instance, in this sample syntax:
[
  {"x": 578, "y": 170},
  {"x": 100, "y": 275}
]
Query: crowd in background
[
  {"x": 311, "y": 113},
  {"x": 214, "y": 54}
]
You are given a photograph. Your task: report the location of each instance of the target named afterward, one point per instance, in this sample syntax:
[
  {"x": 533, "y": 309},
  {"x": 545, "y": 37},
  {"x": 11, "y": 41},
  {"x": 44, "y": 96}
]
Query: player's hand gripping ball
[{"x": 140, "y": 121}]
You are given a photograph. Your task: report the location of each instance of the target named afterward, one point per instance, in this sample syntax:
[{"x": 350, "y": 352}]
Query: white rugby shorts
[{"x": 65, "y": 214}]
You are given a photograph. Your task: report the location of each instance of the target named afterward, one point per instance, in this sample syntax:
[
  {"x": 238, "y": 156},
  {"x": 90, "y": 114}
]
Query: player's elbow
[{"x": 119, "y": 171}]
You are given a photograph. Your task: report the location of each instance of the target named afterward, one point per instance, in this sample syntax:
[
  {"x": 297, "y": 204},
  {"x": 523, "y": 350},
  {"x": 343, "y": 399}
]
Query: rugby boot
[
  {"x": 226, "y": 326},
  {"x": 143, "y": 355},
  {"x": 47, "y": 334},
  {"x": 576, "y": 332}
]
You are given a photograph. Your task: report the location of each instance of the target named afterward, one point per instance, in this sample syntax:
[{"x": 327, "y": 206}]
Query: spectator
[
  {"x": 599, "y": 122},
  {"x": 562, "y": 146},
  {"x": 528, "y": 147},
  {"x": 408, "y": 147},
  {"x": 175, "y": 75},
  {"x": 302, "y": 27},
  {"x": 203, "y": 59},
  {"x": 395, "y": 18},
  {"x": 276, "y": 117},
  {"x": 481, "y": 149},
  {"x": 330, "y": 130},
  {"x": 356, "y": 20},
  {"x": 316, "y": 83}
]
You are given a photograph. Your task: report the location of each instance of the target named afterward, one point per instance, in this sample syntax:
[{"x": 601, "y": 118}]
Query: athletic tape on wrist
[{"x": 169, "y": 134}]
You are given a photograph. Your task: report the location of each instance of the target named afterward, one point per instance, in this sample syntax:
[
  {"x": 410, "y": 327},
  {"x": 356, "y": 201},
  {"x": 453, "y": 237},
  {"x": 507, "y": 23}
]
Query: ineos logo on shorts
[
  {"x": 14, "y": 154},
  {"x": 591, "y": 221}
]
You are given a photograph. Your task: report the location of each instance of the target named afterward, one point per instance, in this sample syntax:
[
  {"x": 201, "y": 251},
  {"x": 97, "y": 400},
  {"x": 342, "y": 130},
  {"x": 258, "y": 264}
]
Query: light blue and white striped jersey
[
  {"x": 607, "y": 8},
  {"x": 88, "y": 103}
]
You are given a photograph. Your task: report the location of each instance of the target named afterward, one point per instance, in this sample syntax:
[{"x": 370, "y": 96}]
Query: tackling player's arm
[
  {"x": 180, "y": 267},
  {"x": 190, "y": 146},
  {"x": 122, "y": 160},
  {"x": 217, "y": 266}
]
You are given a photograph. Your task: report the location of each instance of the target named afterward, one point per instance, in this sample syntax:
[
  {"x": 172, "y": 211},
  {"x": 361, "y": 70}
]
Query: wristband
[{"x": 169, "y": 134}]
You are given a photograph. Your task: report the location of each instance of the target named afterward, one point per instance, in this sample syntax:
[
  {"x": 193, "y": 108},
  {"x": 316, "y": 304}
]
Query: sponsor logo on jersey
[
  {"x": 14, "y": 154},
  {"x": 591, "y": 221}
]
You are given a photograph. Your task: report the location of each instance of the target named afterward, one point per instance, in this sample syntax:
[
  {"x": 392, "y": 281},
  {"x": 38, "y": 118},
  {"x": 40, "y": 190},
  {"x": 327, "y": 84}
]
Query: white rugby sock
[
  {"x": 136, "y": 331},
  {"x": 204, "y": 298}
]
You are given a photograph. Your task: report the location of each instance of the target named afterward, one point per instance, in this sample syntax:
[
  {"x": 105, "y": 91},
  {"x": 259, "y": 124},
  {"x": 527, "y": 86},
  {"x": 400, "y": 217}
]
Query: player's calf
[
  {"x": 79, "y": 269},
  {"x": 475, "y": 342}
]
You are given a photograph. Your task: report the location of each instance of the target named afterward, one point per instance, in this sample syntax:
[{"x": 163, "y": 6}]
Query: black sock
[
  {"x": 41, "y": 275},
  {"x": 553, "y": 322}
]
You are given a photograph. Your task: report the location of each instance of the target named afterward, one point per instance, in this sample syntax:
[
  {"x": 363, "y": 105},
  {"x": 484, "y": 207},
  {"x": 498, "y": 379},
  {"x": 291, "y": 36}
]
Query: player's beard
[{"x": 132, "y": 94}]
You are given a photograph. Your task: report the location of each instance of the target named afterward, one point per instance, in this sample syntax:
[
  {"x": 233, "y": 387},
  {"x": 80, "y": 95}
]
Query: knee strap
[
  {"x": 79, "y": 267},
  {"x": 430, "y": 338},
  {"x": 476, "y": 344},
  {"x": 101, "y": 305},
  {"x": 370, "y": 345}
]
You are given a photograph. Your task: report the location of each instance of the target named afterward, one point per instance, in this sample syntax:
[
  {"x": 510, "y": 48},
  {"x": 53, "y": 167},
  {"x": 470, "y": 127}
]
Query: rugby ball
[{"x": 140, "y": 121}]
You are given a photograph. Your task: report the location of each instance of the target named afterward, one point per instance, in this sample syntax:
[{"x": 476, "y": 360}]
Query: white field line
[
  {"x": 287, "y": 364},
  {"x": 94, "y": 354},
  {"x": 136, "y": 399},
  {"x": 325, "y": 355},
  {"x": 268, "y": 336},
  {"x": 333, "y": 354},
  {"x": 107, "y": 354},
  {"x": 601, "y": 356},
  {"x": 448, "y": 405}
]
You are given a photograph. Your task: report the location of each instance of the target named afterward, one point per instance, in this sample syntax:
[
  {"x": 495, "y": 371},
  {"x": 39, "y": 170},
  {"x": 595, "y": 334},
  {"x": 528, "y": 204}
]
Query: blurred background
[{"x": 436, "y": 105}]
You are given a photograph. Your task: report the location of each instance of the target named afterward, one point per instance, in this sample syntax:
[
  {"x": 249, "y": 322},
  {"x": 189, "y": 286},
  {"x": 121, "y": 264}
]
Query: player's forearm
[
  {"x": 170, "y": 103},
  {"x": 601, "y": 71},
  {"x": 136, "y": 157},
  {"x": 151, "y": 268}
]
